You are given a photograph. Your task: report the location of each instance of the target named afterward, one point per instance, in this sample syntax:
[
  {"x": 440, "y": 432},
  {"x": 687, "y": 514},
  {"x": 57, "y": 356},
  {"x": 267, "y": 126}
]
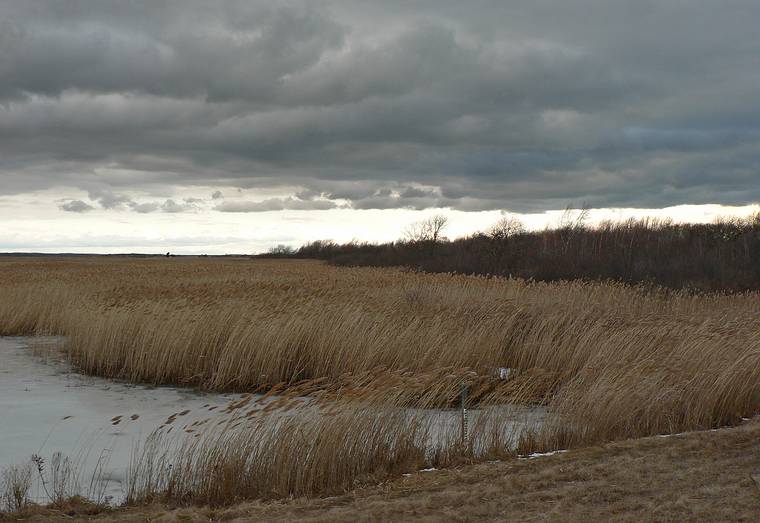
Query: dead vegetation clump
[{"x": 15, "y": 484}]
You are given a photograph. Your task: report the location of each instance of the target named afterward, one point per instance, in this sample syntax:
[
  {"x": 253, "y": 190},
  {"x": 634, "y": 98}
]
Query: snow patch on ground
[
  {"x": 542, "y": 454},
  {"x": 432, "y": 469}
]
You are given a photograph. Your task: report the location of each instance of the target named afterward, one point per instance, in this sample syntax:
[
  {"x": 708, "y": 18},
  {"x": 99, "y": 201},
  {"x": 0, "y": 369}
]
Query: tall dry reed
[
  {"x": 608, "y": 361},
  {"x": 306, "y": 447}
]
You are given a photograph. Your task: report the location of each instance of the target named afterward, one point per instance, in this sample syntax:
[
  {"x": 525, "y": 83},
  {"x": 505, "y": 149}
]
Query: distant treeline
[{"x": 724, "y": 255}]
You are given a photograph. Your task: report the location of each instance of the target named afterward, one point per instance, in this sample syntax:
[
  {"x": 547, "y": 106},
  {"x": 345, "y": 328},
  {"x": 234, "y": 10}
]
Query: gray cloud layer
[
  {"x": 276, "y": 204},
  {"x": 76, "y": 206},
  {"x": 476, "y": 105}
]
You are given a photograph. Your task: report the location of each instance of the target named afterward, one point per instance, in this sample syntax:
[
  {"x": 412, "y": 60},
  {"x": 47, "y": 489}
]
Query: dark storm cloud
[{"x": 477, "y": 105}]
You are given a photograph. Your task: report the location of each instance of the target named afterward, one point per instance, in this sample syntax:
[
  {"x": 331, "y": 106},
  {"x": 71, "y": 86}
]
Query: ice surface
[{"x": 45, "y": 407}]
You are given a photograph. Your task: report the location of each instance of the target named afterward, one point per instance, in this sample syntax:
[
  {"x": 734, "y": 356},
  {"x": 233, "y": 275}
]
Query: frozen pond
[{"x": 47, "y": 408}]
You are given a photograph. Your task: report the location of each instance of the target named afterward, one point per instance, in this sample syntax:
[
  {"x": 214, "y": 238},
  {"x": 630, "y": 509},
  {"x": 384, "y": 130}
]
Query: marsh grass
[
  {"x": 57, "y": 482},
  {"x": 606, "y": 361},
  {"x": 311, "y": 448},
  {"x": 15, "y": 484}
]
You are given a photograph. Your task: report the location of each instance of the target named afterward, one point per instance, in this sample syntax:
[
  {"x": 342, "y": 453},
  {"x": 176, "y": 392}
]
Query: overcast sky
[{"x": 201, "y": 126}]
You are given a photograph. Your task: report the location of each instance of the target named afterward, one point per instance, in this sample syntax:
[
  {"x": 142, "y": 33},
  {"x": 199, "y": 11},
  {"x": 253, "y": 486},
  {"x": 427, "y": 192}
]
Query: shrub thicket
[{"x": 724, "y": 255}]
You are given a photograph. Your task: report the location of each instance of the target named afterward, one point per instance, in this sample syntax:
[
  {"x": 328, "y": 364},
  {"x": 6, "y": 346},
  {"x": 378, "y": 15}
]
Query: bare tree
[
  {"x": 504, "y": 228},
  {"x": 571, "y": 223},
  {"x": 436, "y": 225},
  {"x": 574, "y": 219},
  {"x": 281, "y": 250},
  {"x": 428, "y": 230}
]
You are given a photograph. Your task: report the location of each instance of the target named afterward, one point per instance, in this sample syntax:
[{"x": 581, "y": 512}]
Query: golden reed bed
[
  {"x": 631, "y": 362},
  {"x": 607, "y": 361}
]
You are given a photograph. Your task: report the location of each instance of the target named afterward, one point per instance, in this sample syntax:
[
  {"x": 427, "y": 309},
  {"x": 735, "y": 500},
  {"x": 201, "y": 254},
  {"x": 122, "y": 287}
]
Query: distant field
[{"x": 608, "y": 361}]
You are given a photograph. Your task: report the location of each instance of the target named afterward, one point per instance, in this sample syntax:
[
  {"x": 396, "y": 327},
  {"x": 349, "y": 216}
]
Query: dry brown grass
[
  {"x": 290, "y": 445},
  {"x": 608, "y": 361},
  {"x": 700, "y": 476},
  {"x": 15, "y": 484}
]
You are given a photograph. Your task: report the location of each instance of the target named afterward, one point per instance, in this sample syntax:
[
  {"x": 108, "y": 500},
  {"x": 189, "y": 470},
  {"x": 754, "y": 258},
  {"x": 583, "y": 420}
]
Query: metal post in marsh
[{"x": 463, "y": 400}]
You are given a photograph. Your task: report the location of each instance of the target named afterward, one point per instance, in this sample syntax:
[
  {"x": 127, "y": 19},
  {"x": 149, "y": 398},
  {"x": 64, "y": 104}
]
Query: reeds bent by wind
[{"x": 606, "y": 360}]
